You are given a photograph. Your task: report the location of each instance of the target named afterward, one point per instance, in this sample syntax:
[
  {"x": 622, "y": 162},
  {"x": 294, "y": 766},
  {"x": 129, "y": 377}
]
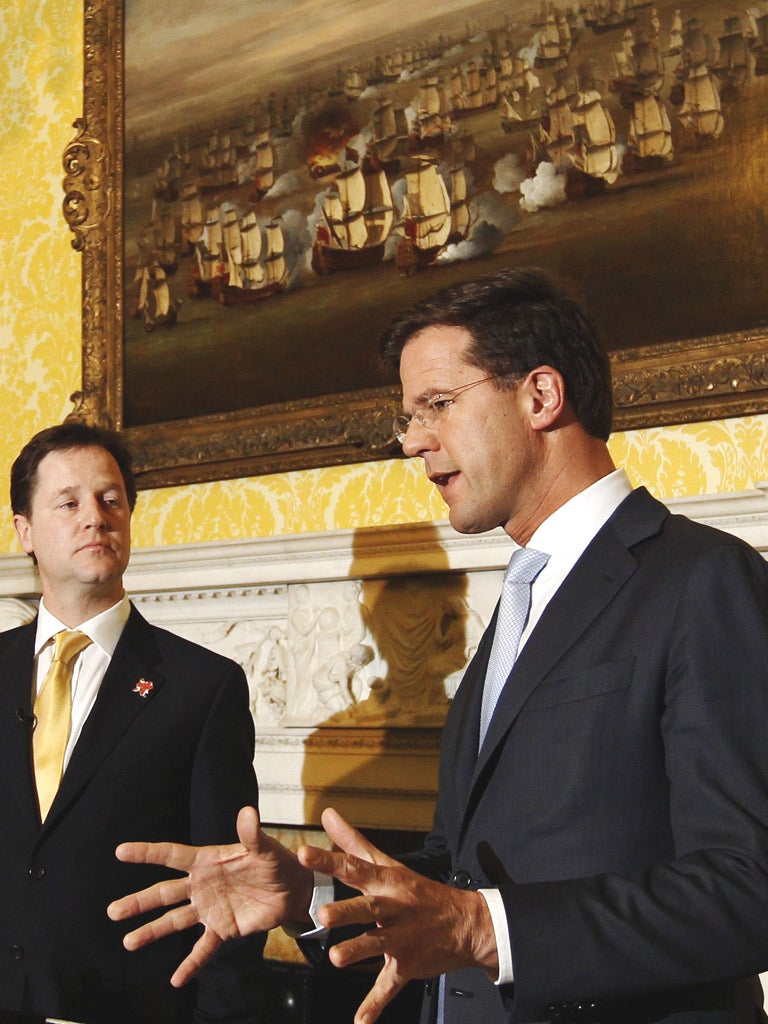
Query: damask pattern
[{"x": 40, "y": 331}]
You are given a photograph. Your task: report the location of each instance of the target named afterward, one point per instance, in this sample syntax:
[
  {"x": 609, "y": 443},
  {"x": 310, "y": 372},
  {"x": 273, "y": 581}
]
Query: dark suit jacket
[
  {"x": 620, "y": 801},
  {"x": 175, "y": 765}
]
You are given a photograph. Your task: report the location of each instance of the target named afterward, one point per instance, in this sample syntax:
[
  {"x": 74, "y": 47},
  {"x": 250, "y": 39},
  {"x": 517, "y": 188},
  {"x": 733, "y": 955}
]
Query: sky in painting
[{"x": 186, "y": 56}]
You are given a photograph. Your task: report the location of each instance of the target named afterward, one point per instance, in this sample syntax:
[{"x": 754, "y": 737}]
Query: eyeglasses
[{"x": 433, "y": 409}]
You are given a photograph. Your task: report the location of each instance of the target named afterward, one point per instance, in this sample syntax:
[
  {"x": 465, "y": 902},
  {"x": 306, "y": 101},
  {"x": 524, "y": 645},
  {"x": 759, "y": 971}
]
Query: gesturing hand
[
  {"x": 233, "y": 890},
  {"x": 422, "y": 928}
]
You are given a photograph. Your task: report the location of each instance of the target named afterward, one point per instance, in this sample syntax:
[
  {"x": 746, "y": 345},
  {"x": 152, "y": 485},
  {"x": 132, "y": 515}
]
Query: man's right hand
[{"x": 234, "y": 890}]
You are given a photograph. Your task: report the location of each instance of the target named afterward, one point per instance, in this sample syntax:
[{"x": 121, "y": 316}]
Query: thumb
[
  {"x": 249, "y": 828},
  {"x": 348, "y": 839}
]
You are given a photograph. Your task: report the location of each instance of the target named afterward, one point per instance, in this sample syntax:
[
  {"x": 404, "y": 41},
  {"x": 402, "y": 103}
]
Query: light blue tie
[{"x": 514, "y": 608}]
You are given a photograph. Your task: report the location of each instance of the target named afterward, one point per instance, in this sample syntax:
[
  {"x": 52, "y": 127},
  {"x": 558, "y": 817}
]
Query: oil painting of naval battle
[{"x": 296, "y": 172}]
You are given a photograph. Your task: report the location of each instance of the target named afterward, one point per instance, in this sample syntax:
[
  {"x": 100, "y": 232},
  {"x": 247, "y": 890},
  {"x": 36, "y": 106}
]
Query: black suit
[
  {"x": 620, "y": 801},
  {"x": 173, "y": 765}
]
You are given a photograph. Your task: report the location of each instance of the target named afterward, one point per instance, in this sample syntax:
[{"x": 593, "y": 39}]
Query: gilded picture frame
[{"x": 662, "y": 382}]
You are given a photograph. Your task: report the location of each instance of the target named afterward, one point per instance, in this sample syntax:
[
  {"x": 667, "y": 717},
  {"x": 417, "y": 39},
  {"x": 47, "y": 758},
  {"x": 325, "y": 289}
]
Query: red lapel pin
[{"x": 143, "y": 687}]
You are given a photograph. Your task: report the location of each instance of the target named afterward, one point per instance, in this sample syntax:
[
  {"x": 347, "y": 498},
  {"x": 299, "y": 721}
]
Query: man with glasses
[{"x": 600, "y": 844}]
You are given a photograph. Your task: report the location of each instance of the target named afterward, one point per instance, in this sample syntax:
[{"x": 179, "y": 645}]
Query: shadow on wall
[{"x": 387, "y": 688}]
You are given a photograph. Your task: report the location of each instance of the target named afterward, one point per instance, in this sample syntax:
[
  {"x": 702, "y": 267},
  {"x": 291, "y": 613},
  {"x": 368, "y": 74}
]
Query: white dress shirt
[
  {"x": 564, "y": 536},
  {"x": 90, "y": 665}
]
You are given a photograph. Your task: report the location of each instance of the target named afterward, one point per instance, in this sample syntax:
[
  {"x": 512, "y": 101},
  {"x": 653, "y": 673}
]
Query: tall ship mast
[{"x": 426, "y": 220}]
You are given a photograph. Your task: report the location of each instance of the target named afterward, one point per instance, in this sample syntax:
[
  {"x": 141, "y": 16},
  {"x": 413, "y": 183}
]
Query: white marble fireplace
[{"x": 353, "y": 643}]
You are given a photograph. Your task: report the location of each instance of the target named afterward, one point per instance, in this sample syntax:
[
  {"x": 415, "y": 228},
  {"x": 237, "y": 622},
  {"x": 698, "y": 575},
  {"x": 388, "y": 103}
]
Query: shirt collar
[
  {"x": 104, "y": 629},
  {"x": 571, "y": 527}
]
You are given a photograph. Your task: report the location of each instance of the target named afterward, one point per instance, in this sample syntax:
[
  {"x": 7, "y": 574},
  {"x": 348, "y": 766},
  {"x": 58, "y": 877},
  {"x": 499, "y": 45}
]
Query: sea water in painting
[{"x": 298, "y": 170}]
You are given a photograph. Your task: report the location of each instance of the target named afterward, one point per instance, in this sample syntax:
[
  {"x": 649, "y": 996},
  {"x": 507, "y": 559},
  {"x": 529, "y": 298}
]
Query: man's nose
[
  {"x": 418, "y": 438},
  {"x": 93, "y": 512}
]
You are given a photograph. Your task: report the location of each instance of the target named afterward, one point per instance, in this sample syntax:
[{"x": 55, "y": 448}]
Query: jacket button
[
  {"x": 17, "y": 952},
  {"x": 462, "y": 880},
  {"x": 37, "y": 871}
]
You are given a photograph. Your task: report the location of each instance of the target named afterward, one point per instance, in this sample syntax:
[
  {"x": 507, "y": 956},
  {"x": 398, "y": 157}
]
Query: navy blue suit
[
  {"x": 620, "y": 800},
  {"x": 173, "y": 765}
]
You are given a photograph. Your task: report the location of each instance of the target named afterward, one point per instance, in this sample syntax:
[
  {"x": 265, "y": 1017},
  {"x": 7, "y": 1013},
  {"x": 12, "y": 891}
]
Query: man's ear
[
  {"x": 547, "y": 389},
  {"x": 23, "y": 529}
]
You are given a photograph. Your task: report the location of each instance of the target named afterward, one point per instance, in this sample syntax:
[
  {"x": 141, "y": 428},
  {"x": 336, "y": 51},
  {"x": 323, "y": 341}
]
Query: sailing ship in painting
[
  {"x": 523, "y": 102},
  {"x": 257, "y": 269},
  {"x": 649, "y": 142},
  {"x": 154, "y": 305},
  {"x": 425, "y": 225},
  {"x": 264, "y": 171},
  {"x": 356, "y": 219},
  {"x": 389, "y": 142},
  {"x": 595, "y": 155}
]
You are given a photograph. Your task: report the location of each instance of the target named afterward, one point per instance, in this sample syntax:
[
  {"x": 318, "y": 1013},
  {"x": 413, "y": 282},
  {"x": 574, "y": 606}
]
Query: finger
[
  {"x": 349, "y": 839},
  {"x": 161, "y": 894},
  {"x": 317, "y": 859},
  {"x": 358, "y": 910},
  {"x": 172, "y": 855},
  {"x": 175, "y": 920},
  {"x": 362, "y": 947},
  {"x": 385, "y": 988},
  {"x": 201, "y": 953},
  {"x": 360, "y": 874}
]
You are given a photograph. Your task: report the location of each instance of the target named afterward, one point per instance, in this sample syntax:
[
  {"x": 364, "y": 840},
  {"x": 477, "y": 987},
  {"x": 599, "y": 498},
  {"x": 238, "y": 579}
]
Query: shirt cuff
[
  {"x": 322, "y": 893},
  {"x": 498, "y": 914}
]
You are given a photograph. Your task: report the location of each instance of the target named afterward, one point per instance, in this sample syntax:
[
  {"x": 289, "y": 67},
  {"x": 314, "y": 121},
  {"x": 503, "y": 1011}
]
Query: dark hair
[
  {"x": 518, "y": 320},
  {"x": 61, "y": 438}
]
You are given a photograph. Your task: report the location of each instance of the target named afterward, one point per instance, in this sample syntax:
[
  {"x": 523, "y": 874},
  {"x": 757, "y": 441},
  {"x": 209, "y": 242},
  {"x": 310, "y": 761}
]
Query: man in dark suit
[
  {"x": 600, "y": 844},
  {"x": 159, "y": 740}
]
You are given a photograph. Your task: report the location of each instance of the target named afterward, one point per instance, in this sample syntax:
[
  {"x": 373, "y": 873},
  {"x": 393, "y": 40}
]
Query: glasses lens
[{"x": 400, "y": 426}]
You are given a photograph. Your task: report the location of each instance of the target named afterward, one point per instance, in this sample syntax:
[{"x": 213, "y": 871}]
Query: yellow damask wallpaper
[{"x": 40, "y": 96}]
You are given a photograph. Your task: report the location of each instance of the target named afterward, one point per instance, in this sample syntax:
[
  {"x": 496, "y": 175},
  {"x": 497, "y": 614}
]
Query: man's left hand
[{"x": 421, "y": 928}]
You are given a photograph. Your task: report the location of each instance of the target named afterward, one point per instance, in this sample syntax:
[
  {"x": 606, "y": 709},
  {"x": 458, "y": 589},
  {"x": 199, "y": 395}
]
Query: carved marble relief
[
  {"x": 375, "y": 652},
  {"x": 342, "y": 653}
]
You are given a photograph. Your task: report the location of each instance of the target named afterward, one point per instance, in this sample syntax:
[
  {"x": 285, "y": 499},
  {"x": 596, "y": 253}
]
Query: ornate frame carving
[{"x": 705, "y": 378}]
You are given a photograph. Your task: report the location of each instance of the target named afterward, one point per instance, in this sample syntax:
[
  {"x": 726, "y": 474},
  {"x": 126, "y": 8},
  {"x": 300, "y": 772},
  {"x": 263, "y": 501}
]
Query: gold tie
[{"x": 53, "y": 714}]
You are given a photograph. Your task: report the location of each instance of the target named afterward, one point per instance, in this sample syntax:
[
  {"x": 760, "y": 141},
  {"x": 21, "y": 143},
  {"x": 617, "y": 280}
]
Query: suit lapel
[
  {"x": 462, "y": 728},
  {"x": 600, "y": 573},
  {"x": 16, "y": 733},
  {"x": 123, "y": 696}
]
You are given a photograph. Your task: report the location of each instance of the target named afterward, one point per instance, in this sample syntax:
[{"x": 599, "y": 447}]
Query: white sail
[
  {"x": 250, "y": 238},
  {"x": 378, "y": 213},
  {"x": 231, "y": 230},
  {"x": 234, "y": 268},
  {"x": 384, "y": 130},
  {"x": 428, "y": 206},
  {"x": 351, "y": 188},
  {"x": 701, "y": 104},
  {"x": 275, "y": 268},
  {"x": 650, "y": 132},
  {"x": 212, "y": 235},
  {"x": 549, "y": 40},
  {"x": 161, "y": 292},
  {"x": 459, "y": 205},
  {"x": 559, "y": 138},
  {"x": 191, "y": 214},
  {"x": 596, "y": 153}
]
